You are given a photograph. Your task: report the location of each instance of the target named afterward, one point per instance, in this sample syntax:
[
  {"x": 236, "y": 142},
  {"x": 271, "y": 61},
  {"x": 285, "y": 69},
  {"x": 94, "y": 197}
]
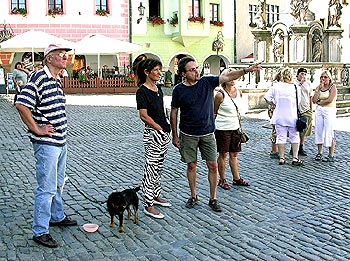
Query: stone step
[
  {"x": 343, "y": 104},
  {"x": 343, "y": 96},
  {"x": 343, "y": 110},
  {"x": 342, "y": 90},
  {"x": 343, "y": 115}
]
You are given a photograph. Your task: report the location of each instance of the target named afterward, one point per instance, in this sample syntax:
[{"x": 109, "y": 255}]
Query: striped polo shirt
[{"x": 44, "y": 96}]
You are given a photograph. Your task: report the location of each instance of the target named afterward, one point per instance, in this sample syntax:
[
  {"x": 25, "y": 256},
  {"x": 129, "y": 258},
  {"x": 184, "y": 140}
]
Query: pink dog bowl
[{"x": 91, "y": 228}]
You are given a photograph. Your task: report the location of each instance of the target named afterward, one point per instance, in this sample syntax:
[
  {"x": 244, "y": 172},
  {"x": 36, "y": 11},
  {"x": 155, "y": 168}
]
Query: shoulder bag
[
  {"x": 244, "y": 136},
  {"x": 302, "y": 120}
]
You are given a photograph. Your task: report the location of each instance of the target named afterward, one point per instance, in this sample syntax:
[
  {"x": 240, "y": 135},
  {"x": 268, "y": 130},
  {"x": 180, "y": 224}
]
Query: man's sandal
[
  {"x": 297, "y": 162},
  {"x": 240, "y": 182},
  {"x": 223, "y": 184},
  {"x": 282, "y": 161}
]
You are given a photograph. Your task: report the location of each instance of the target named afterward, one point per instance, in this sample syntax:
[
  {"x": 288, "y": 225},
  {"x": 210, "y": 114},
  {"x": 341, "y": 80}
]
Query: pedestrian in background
[
  {"x": 305, "y": 106},
  {"x": 325, "y": 97},
  {"x": 41, "y": 105},
  {"x": 156, "y": 135},
  {"x": 283, "y": 95},
  {"x": 227, "y": 133},
  {"x": 194, "y": 98},
  {"x": 270, "y": 108},
  {"x": 19, "y": 77}
]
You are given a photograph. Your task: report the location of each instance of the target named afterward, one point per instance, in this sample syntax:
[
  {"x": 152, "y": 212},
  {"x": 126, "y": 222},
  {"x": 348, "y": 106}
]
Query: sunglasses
[
  {"x": 193, "y": 69},
  {"x": 62, "y": 55}
]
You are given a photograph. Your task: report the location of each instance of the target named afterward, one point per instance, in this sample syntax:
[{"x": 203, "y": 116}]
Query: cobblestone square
[{"x": 288, "y": 213}]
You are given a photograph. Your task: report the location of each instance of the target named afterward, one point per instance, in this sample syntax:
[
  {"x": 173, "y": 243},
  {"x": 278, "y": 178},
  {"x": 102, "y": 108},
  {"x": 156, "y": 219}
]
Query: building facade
[
  {"x": 71, "y": 20},
  {"x": 216, "y": 33}
]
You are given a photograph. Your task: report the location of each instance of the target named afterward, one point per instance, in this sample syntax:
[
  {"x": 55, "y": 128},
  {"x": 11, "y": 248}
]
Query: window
[
  {"x": 194, "y": 8},
  {"x": 214, "y": 12},
  {"x": 18, "y": 4},
  {"x": 272, "y": 14},
  {"x": 154, "y": 8},
  {"x": 252, "y": 12},
  {"x": 55, "y": 4},
  {"x": 101, "y": 5}
]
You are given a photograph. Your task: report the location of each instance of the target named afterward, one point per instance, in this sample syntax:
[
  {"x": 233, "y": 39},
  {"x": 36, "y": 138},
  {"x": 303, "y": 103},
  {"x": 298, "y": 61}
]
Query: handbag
[
  {"x": 302, "y": 120},
  {"x": 244, "y": 136}
]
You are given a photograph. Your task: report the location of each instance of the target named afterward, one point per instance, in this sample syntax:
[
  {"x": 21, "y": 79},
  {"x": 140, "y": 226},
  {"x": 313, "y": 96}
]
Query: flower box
[
  {"x": 156, "y": 20},
  {"x": 102, "y": 12},
  {"x": 217, "y": 23},
  {"x": 55, "y": 11},
  {"x": 196, "y": 19},
  {"x": 21, "y": 11}
]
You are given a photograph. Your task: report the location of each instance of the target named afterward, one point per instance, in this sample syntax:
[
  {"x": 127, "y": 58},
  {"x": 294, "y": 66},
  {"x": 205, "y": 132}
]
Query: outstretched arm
[{"x": 229, "y": 75}]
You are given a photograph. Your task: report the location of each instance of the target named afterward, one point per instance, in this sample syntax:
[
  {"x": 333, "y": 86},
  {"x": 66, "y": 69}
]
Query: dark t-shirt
[
  {"x": 154, "y": 104},
  {"x": 196, "y": 105}
]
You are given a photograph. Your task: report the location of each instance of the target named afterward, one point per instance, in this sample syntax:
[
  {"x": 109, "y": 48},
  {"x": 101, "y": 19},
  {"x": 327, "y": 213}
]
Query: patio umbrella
[
  {"x": 33, "y": 41},
  {"x": 103, "y": 45}
]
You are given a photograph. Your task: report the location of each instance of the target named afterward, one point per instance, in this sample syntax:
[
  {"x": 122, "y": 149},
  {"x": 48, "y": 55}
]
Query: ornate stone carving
[
  {"x": 334, "y": 13},
  {"x": 278, "y": 46},
  {"x": 301, "y": 12},
  {"x": 317, "y": 46},
  {"x": 260, "y": 16}
]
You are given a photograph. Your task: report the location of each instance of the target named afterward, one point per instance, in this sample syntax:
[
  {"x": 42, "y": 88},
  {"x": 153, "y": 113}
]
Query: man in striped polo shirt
[{"x": 41, "y": 105}]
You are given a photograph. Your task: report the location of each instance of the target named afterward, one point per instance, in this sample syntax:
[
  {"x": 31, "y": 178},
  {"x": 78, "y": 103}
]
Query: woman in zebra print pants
[{"x": 156, "y": 136}]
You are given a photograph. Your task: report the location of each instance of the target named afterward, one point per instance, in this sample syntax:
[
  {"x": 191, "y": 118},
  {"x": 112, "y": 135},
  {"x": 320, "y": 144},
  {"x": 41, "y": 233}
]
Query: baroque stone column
[
  {"x": 298, "y": 43},
  {"x": 333, "y": 48}
]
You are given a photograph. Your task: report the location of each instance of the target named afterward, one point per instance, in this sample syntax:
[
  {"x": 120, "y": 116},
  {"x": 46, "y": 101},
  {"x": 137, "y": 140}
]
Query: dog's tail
[{"x": 136, "y": 189}]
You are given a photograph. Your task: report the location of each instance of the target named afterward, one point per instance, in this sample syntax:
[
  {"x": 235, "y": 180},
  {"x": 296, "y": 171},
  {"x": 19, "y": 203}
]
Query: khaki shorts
[
  {"x": 308, "y": 130},
  {"x": 189, "y": 147}
]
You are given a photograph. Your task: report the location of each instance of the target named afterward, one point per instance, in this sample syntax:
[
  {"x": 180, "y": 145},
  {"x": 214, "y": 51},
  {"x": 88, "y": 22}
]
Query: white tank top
[{"x": 227, "y": 117}]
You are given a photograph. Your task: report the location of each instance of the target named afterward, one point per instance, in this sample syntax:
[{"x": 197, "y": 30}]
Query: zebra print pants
[{"x": 156, "y": 147}]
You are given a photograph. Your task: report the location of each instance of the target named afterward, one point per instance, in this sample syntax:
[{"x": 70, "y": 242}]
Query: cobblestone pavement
[{"x": 289, "y": 213}]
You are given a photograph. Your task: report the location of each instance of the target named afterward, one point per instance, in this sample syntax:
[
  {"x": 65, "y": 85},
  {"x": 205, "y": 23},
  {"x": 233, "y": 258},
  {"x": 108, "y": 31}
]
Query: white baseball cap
[{"x": 53, "y": 47}]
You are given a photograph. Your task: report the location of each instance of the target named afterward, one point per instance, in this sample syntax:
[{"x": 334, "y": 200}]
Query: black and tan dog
[{"x": 119, "y": 201}]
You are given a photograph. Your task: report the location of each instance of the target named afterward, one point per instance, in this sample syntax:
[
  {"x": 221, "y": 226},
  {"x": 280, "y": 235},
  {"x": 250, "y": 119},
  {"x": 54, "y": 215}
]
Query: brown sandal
[
  {"x": 223, "y": 184},
  {"x": 240, "y": 182}
]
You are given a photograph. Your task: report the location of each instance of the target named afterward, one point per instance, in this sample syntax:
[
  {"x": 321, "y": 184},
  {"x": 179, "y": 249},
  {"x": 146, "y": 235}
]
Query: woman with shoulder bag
[
  {"x": 227, "y": 133},
  {"x": 283, "y": 95}
]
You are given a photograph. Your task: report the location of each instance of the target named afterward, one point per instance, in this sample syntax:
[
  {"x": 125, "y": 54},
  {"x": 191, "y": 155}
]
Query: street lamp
[{"x": 141, "y": 10}]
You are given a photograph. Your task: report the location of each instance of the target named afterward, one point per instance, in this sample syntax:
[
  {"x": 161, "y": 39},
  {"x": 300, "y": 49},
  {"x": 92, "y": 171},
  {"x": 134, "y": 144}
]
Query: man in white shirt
[{"x": 305, "y": 105}]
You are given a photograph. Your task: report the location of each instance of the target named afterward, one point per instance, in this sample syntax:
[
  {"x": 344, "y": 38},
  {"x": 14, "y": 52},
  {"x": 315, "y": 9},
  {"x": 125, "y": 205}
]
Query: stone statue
[
  {"x": 301, "y": 12},
  {"x": 317, "y": 46},
  {"x": 260, "y": 15},
  {"x": 278, "y": 46},
  {"x": 334, "y": 13}
]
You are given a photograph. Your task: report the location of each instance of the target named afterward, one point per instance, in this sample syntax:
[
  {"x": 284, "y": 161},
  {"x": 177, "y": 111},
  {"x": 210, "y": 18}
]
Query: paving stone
[{"x": 287, "y": 214}]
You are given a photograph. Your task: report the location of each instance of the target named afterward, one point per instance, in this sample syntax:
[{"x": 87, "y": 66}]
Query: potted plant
[
  {"x": 55, "y": 11},
  {"x": 168, "y": 79},
  {"x": 156, "y": 20},
  {"x": 102, "y": 12},
  {"x": 21, "y": 11},
  {"x": 174, "y": 20}
]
